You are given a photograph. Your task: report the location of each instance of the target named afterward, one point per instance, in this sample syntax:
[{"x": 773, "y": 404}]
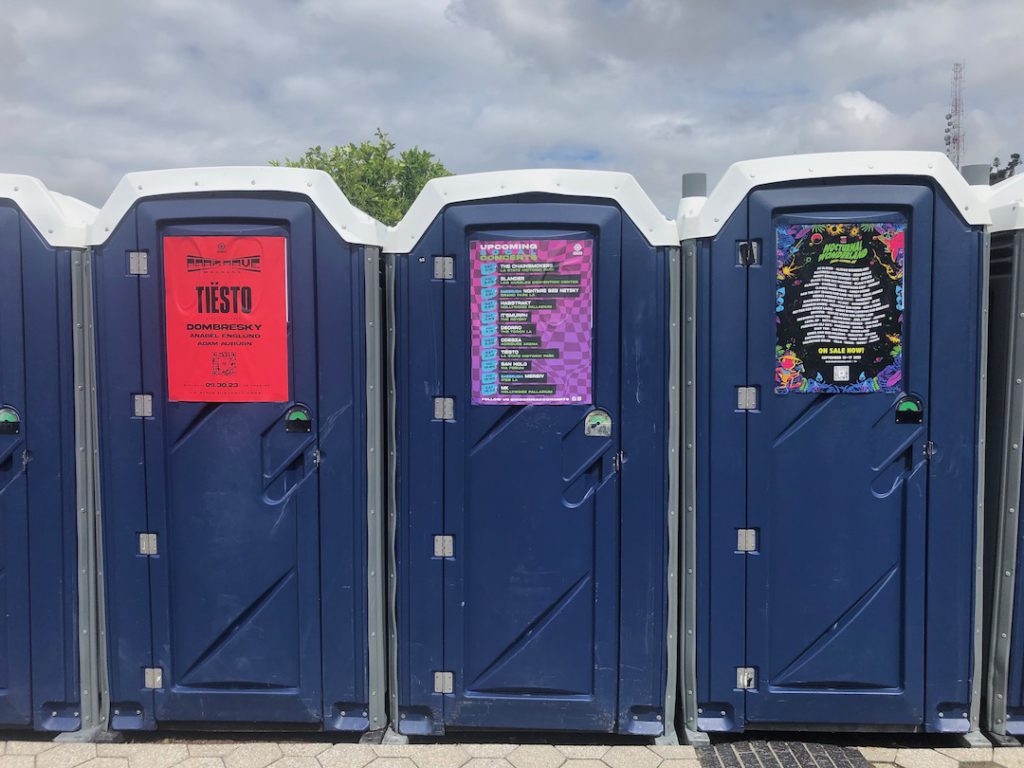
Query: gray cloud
[{"x": 654, "y": 87}]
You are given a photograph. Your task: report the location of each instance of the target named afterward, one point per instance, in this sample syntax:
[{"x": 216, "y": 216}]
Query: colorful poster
[
  {"x": 226, "y": 301},
  {"x": 531, "y": 312},
  {"x": 839, "y": 307}
]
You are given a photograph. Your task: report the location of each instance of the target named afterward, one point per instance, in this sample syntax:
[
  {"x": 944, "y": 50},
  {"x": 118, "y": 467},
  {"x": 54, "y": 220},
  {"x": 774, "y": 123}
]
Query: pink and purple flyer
[{"x": 532, "y": 319}]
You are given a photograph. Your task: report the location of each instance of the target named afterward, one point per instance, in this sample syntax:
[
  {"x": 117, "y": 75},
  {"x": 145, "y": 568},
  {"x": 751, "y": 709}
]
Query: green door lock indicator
[
  {"x": 910, "y": 410},
  {"x": 298, "y": 419},
  {"x": 10, "y": 421}
]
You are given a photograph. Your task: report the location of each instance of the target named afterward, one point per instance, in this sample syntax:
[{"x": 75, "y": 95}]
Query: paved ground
[{"x": 222, "y": 753}]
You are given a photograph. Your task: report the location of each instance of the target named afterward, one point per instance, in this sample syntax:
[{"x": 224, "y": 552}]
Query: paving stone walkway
[{"x": 222, "y": 753}]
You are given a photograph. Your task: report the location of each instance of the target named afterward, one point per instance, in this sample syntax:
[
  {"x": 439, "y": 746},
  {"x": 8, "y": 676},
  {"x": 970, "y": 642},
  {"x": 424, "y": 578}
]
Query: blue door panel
[
  {"x": 837, "y": 491},
  {"x": 417, "y": 361},
  {"x": 721, "y": 475},
  {"x": 232, "y": 497},
  {"x": 953, "y": 472},
  {"x": 122, "y": 479},
  {"x": 15, "y": 669},
  {"x": 643, "y": 483},
  {"x": 341, "y": 356},
  {"x": 531, "y": 597},
  {"x": 50, "y": 438}
]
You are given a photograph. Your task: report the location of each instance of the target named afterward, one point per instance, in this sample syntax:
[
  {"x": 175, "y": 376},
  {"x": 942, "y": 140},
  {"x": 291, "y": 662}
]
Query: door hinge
[
  {"x": 444, "y": 408},
  {"x": 746, "y": 677},
  {"x": 444, "y": 546},
  {"x": 316, "y": 458},
  {"x": 746, "y": 398},
  {"x": 444, "y": 267},
  {"x": 25, "y": 459},
  {"x": 143, "y": 405},
  {"x": 444, "y": 682},
  {"x": 748, "y": 253},
  {"x": 929, "y": 450},
  {"x": 147, "y": 544},
  {"x": 617, "y": 461},
  {"x": 138, "y": 263},
  {"x": 154, "y": 677},
  {"x": 746, "y": 540}
]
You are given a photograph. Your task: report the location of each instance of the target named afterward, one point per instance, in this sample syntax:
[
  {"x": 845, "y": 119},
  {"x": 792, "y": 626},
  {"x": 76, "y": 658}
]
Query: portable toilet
[
  {"x": 42, "y": 236},
  {"x": 835, "y": 474},
  {"x": 1004, "y": 697},
  {"x": 238, "y": 359},
  {"x": 533, "y": 345}
]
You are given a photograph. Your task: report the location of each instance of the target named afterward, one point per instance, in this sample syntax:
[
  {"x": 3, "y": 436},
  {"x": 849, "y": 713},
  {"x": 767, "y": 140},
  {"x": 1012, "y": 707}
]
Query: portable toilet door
[
  {"x": 533, "y": 523},
  {"x": 1004, "y": 694},
  {"x": 41, "y": 234},
  {"x": 838, "y": 311},
  {"x": 238, "y": 356}
]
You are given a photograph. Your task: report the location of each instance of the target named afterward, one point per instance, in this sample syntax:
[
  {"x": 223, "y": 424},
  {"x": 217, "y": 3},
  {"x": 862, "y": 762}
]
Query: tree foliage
[
  {"x": 1000, "y": 172},
  {"x": 372, "y": 176}
]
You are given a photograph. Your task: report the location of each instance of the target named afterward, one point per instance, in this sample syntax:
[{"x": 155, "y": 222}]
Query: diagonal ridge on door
[
  {"x": 233, "y": 628},
  {"x": 197, "y": 422},
  {"x": 816, "y": 406},
  {"x": 531, "y": 630},
  {"x": 836, "y": 628},
  {"x": 510, "y": 415}
]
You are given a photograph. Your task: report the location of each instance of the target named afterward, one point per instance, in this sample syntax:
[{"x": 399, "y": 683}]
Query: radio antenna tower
[{"x": 956, "y": 143}]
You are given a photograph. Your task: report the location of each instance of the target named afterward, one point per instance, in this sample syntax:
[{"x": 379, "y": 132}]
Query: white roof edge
[
  {"x": 62, "y": 221},
  {"x": 354, "y": 225},
  {"x": 744, "y": 176},
  {"x": 1006, "y": 204},
  {"x": 620, "y": 187}
]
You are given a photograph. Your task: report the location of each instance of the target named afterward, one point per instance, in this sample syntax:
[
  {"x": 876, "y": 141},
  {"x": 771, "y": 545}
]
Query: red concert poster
[{"x": 227, "y": 318}]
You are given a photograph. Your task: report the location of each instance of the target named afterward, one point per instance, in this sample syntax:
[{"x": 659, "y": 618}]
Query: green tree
[
  {"x": 998, "y": 172},
  {"x": 372, "y": 177}
]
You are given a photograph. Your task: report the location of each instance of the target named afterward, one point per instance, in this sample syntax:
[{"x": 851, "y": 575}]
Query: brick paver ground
[{"x": 230, "y": 753}]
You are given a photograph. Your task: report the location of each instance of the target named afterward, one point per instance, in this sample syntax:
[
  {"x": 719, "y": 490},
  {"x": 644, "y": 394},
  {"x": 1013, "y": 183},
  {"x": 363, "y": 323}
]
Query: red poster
[{"x": 227, "y": 319}]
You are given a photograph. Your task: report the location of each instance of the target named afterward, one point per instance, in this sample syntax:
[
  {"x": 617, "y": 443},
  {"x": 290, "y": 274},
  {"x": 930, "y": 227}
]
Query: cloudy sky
[{"x": 89, "y": 91}]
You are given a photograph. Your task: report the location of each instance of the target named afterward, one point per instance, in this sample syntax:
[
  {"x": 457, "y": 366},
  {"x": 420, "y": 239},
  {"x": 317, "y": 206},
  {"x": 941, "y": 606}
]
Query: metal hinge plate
[
  {"x": 154, "y": 677},
  {"x": 748, "y": 253},
  {"x": 147, "y": 544},
  {"x": 928, "y": 450},
  {"x": 746, "y": 677},
  {"x": 143, "y": 405},
  {"x": 444, "y": 267},
  {"x": 444, "y": 546},
  {"x": 444, "y": 682},
  {"x": 746, "y": 540},
  {"x": 138, "y": 263},
  {"x": 618, "y": 460},
  {"x": 444, "y": 408},
  {"x": 746, "y": 398},
  {"x": 317, "y": 458}
]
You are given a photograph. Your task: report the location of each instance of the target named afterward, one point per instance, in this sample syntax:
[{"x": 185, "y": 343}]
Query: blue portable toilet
[
  {"x": 238, "y": 360},
  {"x": 1004, "y": 694},
  {"x": 42, "y": 237},
  {"x": 835, "y": 471},
  {"x": 533, "y": 345}
]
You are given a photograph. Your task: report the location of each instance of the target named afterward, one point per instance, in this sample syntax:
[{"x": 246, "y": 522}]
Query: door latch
[
  {"x": 748, "y": 253},
  {"x": 746, "y": 677}
]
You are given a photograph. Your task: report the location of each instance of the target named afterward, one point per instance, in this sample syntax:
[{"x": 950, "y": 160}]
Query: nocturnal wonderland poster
[{"x": 839, "y": 307}]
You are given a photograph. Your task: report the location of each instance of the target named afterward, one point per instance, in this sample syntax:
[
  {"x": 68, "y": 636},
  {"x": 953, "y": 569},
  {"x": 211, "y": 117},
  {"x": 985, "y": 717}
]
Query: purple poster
[{"x": 532, "y": 318}]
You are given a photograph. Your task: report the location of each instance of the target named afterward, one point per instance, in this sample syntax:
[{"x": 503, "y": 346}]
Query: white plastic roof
[
  {"x": 1006, "y": 204},
  {"x": 63, "y": 221},
  {"x": 742, "y": 177},
  {"x": 355, "y": 226},
  {"x": 620, "y": 187}
]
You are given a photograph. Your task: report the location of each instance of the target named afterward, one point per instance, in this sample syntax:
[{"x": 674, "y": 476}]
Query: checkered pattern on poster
[{"x": 531, "y": 319}]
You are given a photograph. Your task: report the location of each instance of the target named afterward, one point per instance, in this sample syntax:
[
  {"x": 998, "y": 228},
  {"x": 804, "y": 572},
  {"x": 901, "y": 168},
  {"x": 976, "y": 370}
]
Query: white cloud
[{"x": 655, "y": 87}]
